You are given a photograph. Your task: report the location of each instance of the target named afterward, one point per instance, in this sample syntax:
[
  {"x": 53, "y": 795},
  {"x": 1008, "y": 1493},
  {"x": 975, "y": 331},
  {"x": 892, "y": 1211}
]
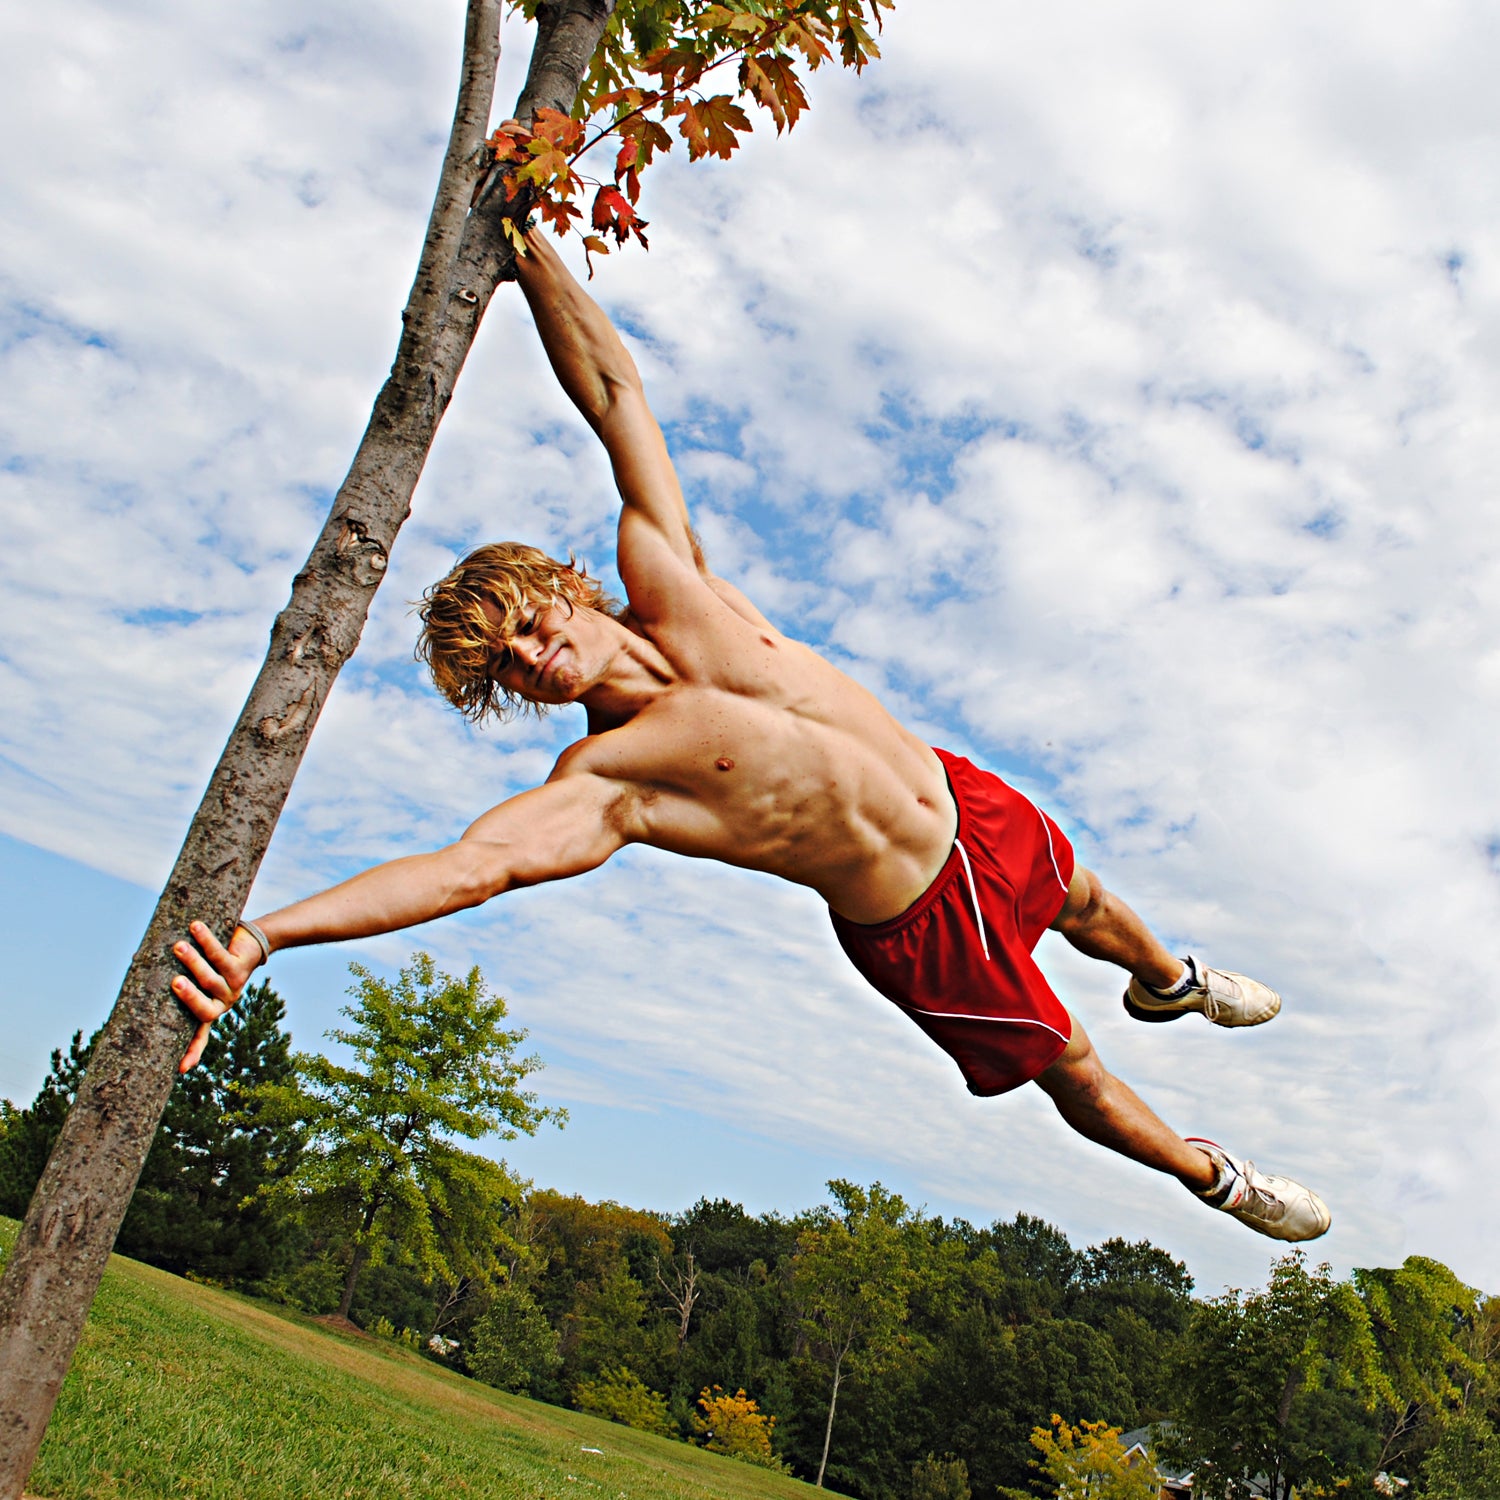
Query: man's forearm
[
  {"x": 402, "y": 893},
  {"x": 586, "y": 353}
]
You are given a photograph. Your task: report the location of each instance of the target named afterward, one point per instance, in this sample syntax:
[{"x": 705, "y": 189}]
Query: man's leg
[
  {"x": 1098, "y": 1105},
  {"x": 1162, "y": 987},
  {"x": 1099, "y": 924}
]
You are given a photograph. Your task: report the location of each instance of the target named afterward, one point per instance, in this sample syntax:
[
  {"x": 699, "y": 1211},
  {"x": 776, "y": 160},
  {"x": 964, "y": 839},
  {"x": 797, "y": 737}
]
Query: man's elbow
[{"x": 479, "y": 870}]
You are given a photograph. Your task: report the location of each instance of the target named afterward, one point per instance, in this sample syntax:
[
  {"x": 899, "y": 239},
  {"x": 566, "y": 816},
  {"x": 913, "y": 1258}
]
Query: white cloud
[{"x": 1112, "y": 388}]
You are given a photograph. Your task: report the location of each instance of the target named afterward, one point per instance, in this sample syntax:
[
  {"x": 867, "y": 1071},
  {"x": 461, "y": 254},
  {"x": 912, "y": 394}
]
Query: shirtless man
[{"x": 713, "y": 735}]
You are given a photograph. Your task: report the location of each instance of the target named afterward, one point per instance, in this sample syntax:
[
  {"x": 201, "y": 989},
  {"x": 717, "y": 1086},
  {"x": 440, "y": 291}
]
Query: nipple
[{"x": 724, "y": 764}]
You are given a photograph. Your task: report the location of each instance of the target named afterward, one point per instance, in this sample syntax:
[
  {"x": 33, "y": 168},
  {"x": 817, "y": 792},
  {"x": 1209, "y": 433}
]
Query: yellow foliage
[
  {"x": 1088, "y": 1462},
  {"x": 734, "y": 1425}
]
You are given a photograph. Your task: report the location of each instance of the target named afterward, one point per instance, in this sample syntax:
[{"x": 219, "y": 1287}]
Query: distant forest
[{"x": 861, "y": 1343}]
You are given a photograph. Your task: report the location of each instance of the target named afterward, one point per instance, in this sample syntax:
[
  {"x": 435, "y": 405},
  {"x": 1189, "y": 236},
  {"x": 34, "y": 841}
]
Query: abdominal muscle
[{"x": 829, "y": 792}]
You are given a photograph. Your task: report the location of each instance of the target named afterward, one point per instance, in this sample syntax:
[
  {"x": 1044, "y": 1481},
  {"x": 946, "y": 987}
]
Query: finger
[
  {"x": 191, "y": 1057},
  {"x": 218, "y": 955},
  {"x": 198, "y": 1005},
  {"x": 209, "y": 976}
]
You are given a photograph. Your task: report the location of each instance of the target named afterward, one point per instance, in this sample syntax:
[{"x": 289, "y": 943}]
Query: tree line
[{"x": 861, "y": 1344}]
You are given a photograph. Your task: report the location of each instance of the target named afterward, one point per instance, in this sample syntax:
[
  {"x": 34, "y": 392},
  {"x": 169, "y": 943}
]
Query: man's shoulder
[{"x": 615, "y": 752}]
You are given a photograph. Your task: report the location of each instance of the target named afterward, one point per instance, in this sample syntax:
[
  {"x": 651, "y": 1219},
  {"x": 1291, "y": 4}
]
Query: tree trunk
[
  {"x": 356, "y": 1265},
  {"x": 833, "y": 1401},
  {"x": 76, "y": 1211}
]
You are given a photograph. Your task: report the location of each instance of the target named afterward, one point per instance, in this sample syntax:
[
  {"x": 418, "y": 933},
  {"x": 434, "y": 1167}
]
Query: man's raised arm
[
  {"x": 601, "y": 379},
  {"x": 567, "y": 826}
]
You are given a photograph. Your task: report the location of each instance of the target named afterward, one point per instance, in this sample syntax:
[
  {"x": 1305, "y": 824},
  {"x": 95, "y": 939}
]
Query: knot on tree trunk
[
  {"x": 270, "y": 729},
  {"x": 365, "y": 558}
]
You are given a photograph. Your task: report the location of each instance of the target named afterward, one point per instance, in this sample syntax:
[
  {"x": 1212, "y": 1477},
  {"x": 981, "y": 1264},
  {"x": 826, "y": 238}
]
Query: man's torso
[{"x": 757, "y": 752}]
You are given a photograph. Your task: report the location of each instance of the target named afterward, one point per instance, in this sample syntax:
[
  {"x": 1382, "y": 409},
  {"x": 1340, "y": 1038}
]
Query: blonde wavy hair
[{"x": 458, "y": 638}]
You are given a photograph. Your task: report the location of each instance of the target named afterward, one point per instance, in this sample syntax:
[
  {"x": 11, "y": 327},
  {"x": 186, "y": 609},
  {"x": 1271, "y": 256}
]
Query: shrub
[
  {"x": 945, "y": 1478},
  {"x": 735, "y": 1425},
  {"x": 620, "y": 1395}
]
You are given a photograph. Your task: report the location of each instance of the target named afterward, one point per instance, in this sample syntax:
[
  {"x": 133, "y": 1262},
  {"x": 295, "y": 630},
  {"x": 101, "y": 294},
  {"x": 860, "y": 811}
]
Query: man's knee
[
  {"x": 1077, "y": 1076},
  {"x": 1084, "y": 901}
]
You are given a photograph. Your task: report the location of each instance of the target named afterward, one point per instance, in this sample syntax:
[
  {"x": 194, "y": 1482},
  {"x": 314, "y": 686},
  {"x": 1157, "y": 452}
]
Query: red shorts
[{"x": 991, "y": 1011}]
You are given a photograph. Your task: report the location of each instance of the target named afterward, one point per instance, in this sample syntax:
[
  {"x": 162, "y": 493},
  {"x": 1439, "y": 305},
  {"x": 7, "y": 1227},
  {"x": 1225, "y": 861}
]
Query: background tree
[
  {"x": 620, "y": 1395},
  {"x": 433, "y": 1061},
  {"x": 1264, "y": 1381},
  {"x": 195, "y": 1207},
  {"x": 852, "y": 1279},
  {"x": 512, "y": 1345},
  {"x": 65, "y": 1240},
  {"x": 1419, "y": 1315},
  {"x": 200, "y": 1204},
  {"x": 934, "y": 1478},
  {"x": 31, "y": 1133}
]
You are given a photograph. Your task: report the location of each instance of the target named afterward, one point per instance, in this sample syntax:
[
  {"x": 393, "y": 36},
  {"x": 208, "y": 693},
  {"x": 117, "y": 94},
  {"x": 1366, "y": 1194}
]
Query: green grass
[{"x": 181, "y": 1390}]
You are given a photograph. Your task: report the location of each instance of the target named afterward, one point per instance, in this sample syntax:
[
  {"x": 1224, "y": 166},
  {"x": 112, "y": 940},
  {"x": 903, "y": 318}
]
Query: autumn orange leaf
[
  {"x": 563, "y": 131},
  {"x": 560, "y": 213},
  {"x": 709, "y": 127}
]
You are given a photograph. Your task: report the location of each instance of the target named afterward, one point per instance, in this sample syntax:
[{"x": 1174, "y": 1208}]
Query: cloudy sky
[{"x": 1109, "y": 387}]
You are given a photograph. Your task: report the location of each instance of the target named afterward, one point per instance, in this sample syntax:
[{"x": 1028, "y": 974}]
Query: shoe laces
[
  {"x": 1256, "y": 1196},
  {"x": 1216, "y": 1000}
]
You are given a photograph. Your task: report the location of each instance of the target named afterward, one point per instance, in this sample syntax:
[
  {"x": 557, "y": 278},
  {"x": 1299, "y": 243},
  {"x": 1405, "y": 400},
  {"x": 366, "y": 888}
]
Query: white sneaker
[
  {"x": 1274, "y": 1206},
  {"x": 1226, "y": 999}
]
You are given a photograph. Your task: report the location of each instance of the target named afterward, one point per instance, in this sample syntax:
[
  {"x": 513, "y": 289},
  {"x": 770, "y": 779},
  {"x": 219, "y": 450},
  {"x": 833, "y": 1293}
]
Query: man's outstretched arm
[
  {"x": 566, "y": 827},
  {"x": 600, "y": 377}
]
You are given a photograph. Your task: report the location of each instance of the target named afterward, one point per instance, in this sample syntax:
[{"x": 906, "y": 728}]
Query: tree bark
[{"x": 64, "y": 1243}]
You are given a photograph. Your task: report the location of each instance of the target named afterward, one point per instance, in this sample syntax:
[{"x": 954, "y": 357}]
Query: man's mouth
[{"x": 545, "y": 665}]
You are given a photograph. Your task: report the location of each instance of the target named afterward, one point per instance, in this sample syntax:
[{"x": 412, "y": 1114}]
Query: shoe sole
[{"x": 1140, "y": 1013}]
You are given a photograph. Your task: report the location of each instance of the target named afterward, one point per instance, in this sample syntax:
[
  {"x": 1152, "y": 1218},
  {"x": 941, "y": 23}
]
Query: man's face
[{"x": 550, "y": 654}]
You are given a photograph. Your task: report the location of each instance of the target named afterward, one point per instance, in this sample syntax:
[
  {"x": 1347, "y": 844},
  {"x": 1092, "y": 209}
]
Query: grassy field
[{"x": 181, "y": 1390}]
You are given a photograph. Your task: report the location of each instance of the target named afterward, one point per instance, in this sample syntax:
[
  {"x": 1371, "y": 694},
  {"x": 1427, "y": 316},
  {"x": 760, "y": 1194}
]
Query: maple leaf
[
  {"x": 632, "y": 99},
  {"x": 612, "y": 211},
  {"x": 559, "y": 213},
  {"x": 651, "y": 134},
  {"x": 548, "y": 168},
  {"x": 505, "y": 147},
  {"x": 561, "y": 130},
  {"x": 676, "y": 66},
  {"x": 709, "y": 128},
  {"x": 774, "y": 82},
  {"x": 715, "y": 15},
  {"x": 856, "y": 44},
  {"x": 722, "y": 18},
  {"x": 514, "y": 235},
  {"x": 806, "y": 35}
]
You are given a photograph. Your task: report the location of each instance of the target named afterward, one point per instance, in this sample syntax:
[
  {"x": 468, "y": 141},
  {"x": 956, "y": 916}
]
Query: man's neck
[{"x": 637, "y": 677}]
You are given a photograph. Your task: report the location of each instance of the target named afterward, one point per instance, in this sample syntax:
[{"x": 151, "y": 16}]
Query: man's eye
[
  {"x": 527, "y": 626},
  {"x": 501, "y": 660}
]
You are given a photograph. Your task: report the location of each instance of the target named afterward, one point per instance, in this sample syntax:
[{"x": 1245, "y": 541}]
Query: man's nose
[{"x": 526, "y": 649}]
